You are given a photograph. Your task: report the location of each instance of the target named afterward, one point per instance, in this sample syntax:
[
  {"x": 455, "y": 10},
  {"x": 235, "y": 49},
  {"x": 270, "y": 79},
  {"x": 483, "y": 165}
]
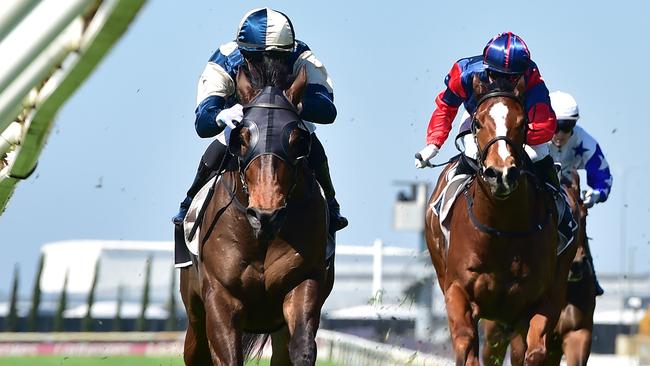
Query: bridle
[
  {"x": 522, "y": 159},
  {"x": 520, "y": 155},
  {"x": 244, "y": 162}
]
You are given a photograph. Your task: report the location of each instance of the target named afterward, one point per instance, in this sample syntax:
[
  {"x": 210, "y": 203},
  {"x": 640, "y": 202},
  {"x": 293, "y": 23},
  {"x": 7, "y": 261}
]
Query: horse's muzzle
[
  {"x": 266, "y": 223},
  {"x": 502, "y": 181}
]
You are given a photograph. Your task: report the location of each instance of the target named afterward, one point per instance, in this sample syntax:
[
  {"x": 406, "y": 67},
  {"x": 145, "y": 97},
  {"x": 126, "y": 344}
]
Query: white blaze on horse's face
[{"x": 499, "y": 112}]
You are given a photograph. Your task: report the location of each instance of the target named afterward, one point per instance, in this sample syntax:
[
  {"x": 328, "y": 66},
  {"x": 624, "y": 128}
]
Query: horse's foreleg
[
  {"x": 545, "y": 316},
  {"x": 223, "y": 324},
  {"x": 577, "y": 346},
  {"x": 196, "y": 350},
  {"x": 518, "y": 348},
  {"x": 280, "y": 343},
  {"x": 495, "y": 344},
  {"x": 462, "y": 326},
  {"x": 302, "y": 312}
]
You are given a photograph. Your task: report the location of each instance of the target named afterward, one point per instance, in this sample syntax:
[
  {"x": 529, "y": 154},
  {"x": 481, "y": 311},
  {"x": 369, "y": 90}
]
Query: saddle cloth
[
  {"x": 445, "y": 201},
  {"x": 182, "y": 245}
]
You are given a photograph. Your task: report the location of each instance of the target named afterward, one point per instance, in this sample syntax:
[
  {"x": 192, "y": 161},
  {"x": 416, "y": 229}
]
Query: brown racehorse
[
  {"x": 501, "y": 262},
  {"x": 261, "y": 268},
  {"x": 572, "y": 335}
]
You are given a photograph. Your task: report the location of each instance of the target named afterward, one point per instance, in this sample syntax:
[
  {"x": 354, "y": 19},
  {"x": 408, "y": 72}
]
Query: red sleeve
[
  {"x": 440, "y": 122},
  {"x": 541, "y": 124},
  {"x": 447, "y": 104}
]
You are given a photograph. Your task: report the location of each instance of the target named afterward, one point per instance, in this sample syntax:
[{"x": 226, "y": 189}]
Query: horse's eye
[
  {"x": 240, "y": 142},
  {"x": 299, "y": 142}
]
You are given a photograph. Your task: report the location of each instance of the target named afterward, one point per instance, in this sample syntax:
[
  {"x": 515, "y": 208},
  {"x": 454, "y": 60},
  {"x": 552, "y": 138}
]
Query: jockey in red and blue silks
[
  {"x": 505, "y": 56},
  {"x": 263, "y": 34},
  {"x": 575, "y": 149}
]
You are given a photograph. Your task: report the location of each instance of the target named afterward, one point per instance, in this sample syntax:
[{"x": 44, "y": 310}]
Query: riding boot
[
  {"x": 567, "y": 226},
  {"x": 203, "y": 175},
  {"x": 599, "y": 290},
  {"x": 322, "y": 174}
]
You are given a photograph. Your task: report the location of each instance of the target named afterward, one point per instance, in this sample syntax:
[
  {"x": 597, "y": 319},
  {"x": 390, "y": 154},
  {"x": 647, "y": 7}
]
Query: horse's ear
[
  {"x": 245, "y": 90},
  {"x": 297, "y": 88},
  {"x": 520, "y": 88},
  {"x": 478, "y": 85}
]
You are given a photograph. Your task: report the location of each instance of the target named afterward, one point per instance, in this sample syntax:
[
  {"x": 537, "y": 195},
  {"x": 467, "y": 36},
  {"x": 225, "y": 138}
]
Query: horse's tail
[{"x": 254, "y": 343}]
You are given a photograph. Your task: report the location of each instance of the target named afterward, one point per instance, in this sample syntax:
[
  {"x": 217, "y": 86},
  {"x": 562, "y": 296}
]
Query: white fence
[{"x": 370, "y": 274}]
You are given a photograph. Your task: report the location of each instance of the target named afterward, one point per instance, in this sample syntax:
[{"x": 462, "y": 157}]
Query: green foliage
[
  {"x": 63, "y": 302},
  {"x": 12, "y": 317},
  {"x": 170, "y": 324},
  {"x": 86, "y": 323},
  {"x": 141, "y": 323},
  {"x": 36, "y": 297}
]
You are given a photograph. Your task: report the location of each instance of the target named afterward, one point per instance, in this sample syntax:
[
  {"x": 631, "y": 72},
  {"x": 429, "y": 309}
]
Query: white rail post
[
  {"x": 377, "y": 267},
  {"x": 32, "y": 35}
]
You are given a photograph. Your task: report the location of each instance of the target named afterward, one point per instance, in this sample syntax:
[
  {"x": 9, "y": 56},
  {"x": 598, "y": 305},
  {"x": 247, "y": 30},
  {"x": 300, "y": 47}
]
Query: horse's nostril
[
  {"x": 512, "y": 174},
  {"x": 491, "y": 172}
]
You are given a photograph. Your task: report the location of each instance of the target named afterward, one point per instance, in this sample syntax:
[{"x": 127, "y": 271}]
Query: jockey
[
  {"x": 573, "y": 148},
  {"x": 263, "y": 32},
  {"x": 505, "y": 57}
]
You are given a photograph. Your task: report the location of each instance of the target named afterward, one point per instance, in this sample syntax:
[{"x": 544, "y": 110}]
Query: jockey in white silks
[{"x": 574, "y": 149}]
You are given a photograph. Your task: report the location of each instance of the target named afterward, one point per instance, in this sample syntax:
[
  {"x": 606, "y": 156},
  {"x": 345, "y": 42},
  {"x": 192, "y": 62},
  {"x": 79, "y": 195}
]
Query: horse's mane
[
  {"x": 268, "y": 68},
  {"x": 497, "y": 85}
]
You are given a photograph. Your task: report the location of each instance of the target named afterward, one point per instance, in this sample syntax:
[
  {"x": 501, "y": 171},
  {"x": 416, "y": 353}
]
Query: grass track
[{"x": 107, "y": 361}]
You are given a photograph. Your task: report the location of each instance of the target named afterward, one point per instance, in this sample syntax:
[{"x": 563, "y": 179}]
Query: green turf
[{"x": 107, "y": 361}]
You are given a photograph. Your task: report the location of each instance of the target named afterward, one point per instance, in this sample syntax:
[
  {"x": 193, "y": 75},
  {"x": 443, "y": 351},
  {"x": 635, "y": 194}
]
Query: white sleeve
[
  {"x": 316, "y": 72},
  {"x": 214, "y": 81}
]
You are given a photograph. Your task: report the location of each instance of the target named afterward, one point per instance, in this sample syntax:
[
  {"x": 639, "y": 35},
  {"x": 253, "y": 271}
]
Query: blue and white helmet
[{"x": 265, "y": 29}]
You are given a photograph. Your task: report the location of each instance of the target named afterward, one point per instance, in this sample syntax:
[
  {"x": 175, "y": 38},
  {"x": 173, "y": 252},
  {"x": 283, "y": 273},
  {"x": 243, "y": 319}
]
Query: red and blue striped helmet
[
  {"x": 506, "y": 53},
  {"x": 265, "y": 29}
]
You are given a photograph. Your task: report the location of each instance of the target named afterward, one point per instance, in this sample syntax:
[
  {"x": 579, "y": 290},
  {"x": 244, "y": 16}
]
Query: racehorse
[
  {"x": 261, "y": 267},
  {"x": 501, "y": 261},
  {"x": 572, "y": 335}
]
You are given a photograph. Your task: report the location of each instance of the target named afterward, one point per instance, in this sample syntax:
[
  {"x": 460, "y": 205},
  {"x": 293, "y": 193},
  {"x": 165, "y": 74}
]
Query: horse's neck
[
  {"x": 514, "y": 213},
  {"x": 305, "y": 186}
]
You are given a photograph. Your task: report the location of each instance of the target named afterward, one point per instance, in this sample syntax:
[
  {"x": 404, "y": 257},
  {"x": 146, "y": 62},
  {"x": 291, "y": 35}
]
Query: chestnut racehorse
[
  {"x": 501, "y": 261},
  {"x": 572, "y": 335},
  {"x": 261, "y": 267}
]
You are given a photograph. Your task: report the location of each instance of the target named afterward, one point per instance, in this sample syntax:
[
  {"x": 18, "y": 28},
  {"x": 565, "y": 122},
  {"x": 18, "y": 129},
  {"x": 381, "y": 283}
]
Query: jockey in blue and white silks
[
  {"x": 264, "y": 36},
  {"x": 574, "y": 149}
]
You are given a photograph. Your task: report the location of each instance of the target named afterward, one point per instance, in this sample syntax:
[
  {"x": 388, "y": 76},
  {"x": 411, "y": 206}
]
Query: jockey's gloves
[
  {"x": 423, "y": 156},
  {"x": 592, "y": 196},
  {"x": 230, "y": 116}
]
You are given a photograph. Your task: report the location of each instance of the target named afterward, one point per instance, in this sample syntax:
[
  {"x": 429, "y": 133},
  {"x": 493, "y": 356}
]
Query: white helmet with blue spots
[{"x": 265, "y": 29}]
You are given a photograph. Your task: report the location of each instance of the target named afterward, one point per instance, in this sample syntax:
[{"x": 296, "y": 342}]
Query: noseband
[{"x": 520, "y": 154}]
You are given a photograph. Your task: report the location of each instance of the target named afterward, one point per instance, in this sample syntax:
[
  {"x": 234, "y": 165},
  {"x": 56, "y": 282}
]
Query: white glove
[
  {"x": 230, "y": 116},
  {"x": 423, "y": 156},
  {"x": 591, "y": 198}
]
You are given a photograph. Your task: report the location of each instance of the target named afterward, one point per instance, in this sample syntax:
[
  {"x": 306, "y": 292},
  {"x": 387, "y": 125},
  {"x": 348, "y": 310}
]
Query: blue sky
[{"x": 124, "y": 150}]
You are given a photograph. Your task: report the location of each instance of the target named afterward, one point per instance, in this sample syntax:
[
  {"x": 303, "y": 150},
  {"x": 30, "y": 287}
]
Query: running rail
[{"x": 47, "y": 49}]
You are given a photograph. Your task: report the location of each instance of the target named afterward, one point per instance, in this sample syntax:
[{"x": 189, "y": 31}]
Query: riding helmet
[
  {"x": 506, "y": 53},
  {"x": 265, "y": 29}
]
